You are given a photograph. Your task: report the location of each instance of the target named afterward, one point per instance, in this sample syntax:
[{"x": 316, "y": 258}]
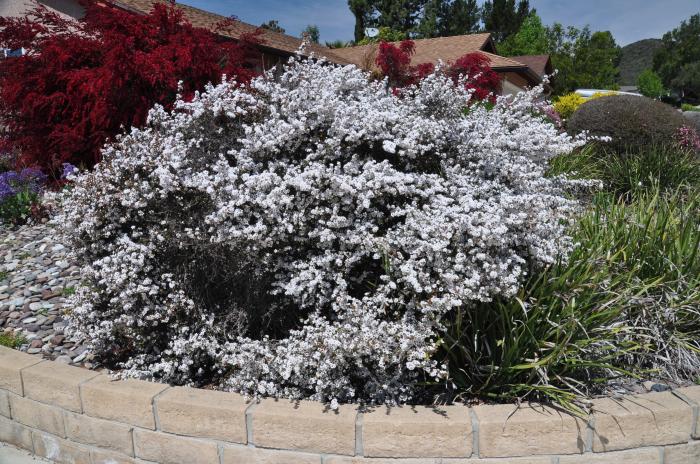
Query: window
[{"x": 7, "y": 53}]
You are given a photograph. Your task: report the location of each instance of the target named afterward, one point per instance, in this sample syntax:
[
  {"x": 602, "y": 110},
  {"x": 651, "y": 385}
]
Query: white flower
[
  {"x": 256, "y": 237},
  {"x": 389, "y": 146}
]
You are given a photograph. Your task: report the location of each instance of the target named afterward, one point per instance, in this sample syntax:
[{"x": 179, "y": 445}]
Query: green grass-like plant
[
  {"x": 626, "y": 302},
  {"x": 17, "y": 208},
  {"x": 11, "y": 340},
  {"x": 68, "y": 291},
  {"x": 632, "y": 171}
]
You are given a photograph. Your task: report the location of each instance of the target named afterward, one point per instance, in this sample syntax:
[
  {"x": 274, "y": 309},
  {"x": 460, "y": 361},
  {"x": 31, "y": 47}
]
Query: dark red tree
[
  {"x": 394, "y": 63},
  {"x": 81, "y": 82},
  {"x": 476, "y": 67}
]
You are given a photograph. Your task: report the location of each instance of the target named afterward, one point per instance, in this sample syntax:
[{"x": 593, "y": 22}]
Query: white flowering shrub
[{"x": 304, "y": 236}]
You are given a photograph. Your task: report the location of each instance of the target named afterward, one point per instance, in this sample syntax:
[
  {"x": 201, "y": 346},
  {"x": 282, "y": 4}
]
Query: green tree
[
  {"x": 403, "y": 16},
  {"x": 313, "y": 33},
  {"x": 385, "y": 34},
  {"x": 676, "y": 61},
  {"x": 582, "y": 59},
  {"x": 273, "y": 25},
  {"x": 596, "y": 62},
  {"x": 361, "y": 10},
  {"x": 503, "y": 18},
  {"x": 443, "y": 18},
  {"x": 531, "y": 39},
  {"x": 650, "y": 85},
  {"x": 688, "y": 80},
  {"x": 338, "y": 44}
]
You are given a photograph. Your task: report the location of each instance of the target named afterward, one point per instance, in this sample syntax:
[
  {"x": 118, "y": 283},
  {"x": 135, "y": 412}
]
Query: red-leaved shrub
[
  {"x": 394, "y": 63},
  {"x": 81, "y": 82},
  {"x": 477, "y": 67}
]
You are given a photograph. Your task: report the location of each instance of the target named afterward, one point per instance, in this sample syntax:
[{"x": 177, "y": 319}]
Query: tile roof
[
  {"x": 204, "y": 19},
  {"x": 431, "y": 50},
  {"x": 427, "y": 50},
  {"x": 540, "y": 64}
]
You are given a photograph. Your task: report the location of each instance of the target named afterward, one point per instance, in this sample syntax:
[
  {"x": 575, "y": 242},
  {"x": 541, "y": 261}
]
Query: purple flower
[
  {"x": 28, "y": 179},
  {"x": 68, "y": 169}
]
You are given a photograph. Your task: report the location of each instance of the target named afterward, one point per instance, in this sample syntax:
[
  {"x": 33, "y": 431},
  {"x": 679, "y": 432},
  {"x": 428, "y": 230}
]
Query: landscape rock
[{"x": 36, "y": 271}]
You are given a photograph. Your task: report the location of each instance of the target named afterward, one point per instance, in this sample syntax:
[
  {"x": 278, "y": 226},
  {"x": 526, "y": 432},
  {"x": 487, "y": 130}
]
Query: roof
[
  {"x": 18, "y": 8},
  {"x": 540, "y": 64},
  {"x": 444, "y": 49},
  {"x": 426, "y": 51},
  {"x": 207, "y": 20}
]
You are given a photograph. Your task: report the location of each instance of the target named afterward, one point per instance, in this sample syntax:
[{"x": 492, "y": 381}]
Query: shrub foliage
[
  {"x": 305, "y": 236},
  {"x": 472, "y": 69},
  {"x": 628, "y": 120},
  {"x": 81, "y": 82}
]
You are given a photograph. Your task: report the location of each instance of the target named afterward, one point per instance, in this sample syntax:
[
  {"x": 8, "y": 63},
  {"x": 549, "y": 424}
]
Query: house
[
  {"x": 518, "y": 72},
  {"x": 66, "y": 8}
]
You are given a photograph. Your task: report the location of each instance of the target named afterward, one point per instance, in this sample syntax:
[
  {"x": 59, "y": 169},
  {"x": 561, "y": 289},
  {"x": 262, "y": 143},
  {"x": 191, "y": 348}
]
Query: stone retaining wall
[{"x": 73, "y": 415}]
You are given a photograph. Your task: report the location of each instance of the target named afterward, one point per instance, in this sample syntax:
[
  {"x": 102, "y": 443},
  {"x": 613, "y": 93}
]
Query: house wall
[
  {"x": 67, "y": 8},
  {"x": 509, "y": 88}
]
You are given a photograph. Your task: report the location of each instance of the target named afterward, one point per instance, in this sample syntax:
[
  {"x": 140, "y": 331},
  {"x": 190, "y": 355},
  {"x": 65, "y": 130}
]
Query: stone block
[
  {"x": 417, "y": 432},
  {"x": 687, "y": 453},
  {"x": 172, "y": 449},
  {"x": 100, "y": 433},
  {"x": 15, "y": 434},
  {"x": 203, "y": 413},
  {"x": 636, "y": 456},
  {"x": 129, "y": 401},
  {"x": 59, "y": 451},
  {"x": 242, "y": 454},
  {"x": 359, "y": 460},
  {"x": 37, "y": 415},
  {"x": 11, "y": 363},
  {"x": 304, "y": 426},
  {"x": 529, "y": 430},
  {"x": 4, "y": 403},
  {"x": 110, "y": 457},
  {"x": 56, "y": 383},
  {"x": 693, "y": 395},
  {"x": 638, "y": 421}
]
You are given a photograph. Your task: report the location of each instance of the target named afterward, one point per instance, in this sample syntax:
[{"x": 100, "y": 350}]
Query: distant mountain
[{"x": 635, "y": 58}]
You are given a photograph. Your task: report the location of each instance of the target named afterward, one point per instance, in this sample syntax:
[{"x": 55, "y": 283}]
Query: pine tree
[
  {"x": 403, "y": 16},
  {"x": 361, "y": 10},
  {"x": 443, "y": 18},
  {"x": 503, "y": 18},
  {"x": 313, "y": 33},
  {"x": 273, "y": 25},
  {"x": 462, "y": 18}
]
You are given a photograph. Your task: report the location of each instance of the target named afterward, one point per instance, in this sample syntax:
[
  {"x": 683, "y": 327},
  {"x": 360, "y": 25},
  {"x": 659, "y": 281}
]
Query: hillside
[{"x": 635, "y": 58}]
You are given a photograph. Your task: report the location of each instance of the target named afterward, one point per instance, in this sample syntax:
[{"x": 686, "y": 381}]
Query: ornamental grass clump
[
  {"x": 625, "y": 303},
  {"x": 305, "y": 236}
]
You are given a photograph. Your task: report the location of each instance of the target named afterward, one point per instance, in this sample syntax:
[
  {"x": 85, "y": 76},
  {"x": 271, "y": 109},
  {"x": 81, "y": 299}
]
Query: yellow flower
[{"x": 567, "y": 104}]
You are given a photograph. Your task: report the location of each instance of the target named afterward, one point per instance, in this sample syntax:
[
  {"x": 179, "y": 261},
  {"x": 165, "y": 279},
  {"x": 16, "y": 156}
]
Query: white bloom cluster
[{"x": 304, "y": 236}]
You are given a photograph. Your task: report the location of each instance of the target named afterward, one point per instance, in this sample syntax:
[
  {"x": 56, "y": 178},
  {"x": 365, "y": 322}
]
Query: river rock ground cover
[{"x": 35, "y": 278}]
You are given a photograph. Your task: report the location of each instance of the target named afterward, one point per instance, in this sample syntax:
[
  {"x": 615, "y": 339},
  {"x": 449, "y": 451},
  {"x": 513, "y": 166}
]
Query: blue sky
[{"x": 629, "y": 20}]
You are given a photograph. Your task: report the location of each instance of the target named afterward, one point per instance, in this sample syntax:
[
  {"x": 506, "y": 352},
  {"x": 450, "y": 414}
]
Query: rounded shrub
[
  {"x": 629, "y": 121},
  {"x": 305, "y": 236}
]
